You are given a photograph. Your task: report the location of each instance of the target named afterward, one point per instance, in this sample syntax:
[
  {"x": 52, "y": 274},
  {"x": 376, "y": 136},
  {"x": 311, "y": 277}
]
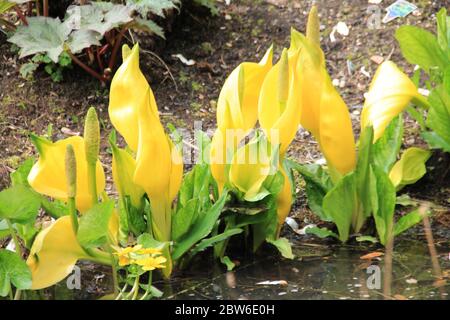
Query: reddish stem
[
  {"x": 45, "y": 8},
  {"x": 115, "y": 50},
  {"x": 21, "y": 15},
  {"x": 103, "y": 49},
  {"x": 87, "y": 68},
  {"x": 99, "y": 59}
]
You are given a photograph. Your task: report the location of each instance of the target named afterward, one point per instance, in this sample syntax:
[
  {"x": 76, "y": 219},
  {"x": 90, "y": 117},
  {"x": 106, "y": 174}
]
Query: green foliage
[
  {"x": 19, "y": 204},
  {"x": 210, "y": 4},
  {"x": 13, "y": 270},
  {"x": 93, "y": 225}
]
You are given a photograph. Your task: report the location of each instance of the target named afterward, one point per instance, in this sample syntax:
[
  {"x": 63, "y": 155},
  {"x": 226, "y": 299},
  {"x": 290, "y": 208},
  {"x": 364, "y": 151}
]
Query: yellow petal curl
[{"x": 48, "y": 176}]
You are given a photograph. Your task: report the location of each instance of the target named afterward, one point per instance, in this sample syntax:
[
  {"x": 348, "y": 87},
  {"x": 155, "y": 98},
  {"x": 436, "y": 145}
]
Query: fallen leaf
[
  {"x": 400, "y": 297},
  {"x": 377, "y": 59},
  {"x": 371, "y": 255}
]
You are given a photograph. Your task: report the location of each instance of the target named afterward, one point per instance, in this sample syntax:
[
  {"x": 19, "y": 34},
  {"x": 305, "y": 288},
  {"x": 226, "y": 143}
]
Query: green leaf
[
  {"x": 27, "y": 232},
  {"x": 410, "y": 168},
  {"x": 439, "y": 119},
  {"x": 100, "y": 17},
  {"x": 321, "y": 232},
  {"x": 362, "y": 176},
  {"x": 201, "y": 228},
  {"x": 93, "y": 226},
  {"x": 4, "y": 229},
  {"x": 383, "y": 203},
  {"x": 196, "y": 186},
  {"x": 208, "y": 242},
  {"x": 367, "y": 238},
  {"x": 153, "y": 6},
  {"x": 228, "y": 263},
  {"x": 148, "y": 26},
  {"x": 408, "y": 221},
  {"x": 183, "y": 219},
  {"x": 20, "y": 175},
  {"x": 19, "y": 204},
  {"x": 42, "y": 35},
  {"x": 13, "y": 270},
  {"x": 341, "y": 203},
  {"x": 5, "y": 6},
  {"x": 443, "y": 30},
  {"x": 27, "y": 70},
  {"x": 210, "y": 4},
  {"x": 421, "y": 47},
  {"x": 283, "y": 246},
  {"x": 81, "y": 39},
  {"x": 387, "y": 147}
]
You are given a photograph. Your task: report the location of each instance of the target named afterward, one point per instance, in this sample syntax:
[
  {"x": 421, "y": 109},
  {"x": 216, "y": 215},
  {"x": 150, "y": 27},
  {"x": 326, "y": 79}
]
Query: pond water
[{"x": 319, "y": 271}]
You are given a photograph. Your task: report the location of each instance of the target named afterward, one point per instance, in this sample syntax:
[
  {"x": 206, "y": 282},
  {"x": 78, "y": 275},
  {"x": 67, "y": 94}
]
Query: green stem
[
  {"x": 92, "y": 182},
  {"x": 18, "y": 252},
  {"x": 421, "y": 101},
  {"x": 149, "y": 285},
  {"x": 14, "y": 236},
  {"x": 134, "y": 288},
  {"x": 73, "y": 214},
  {"x": 97, "y": 256}
]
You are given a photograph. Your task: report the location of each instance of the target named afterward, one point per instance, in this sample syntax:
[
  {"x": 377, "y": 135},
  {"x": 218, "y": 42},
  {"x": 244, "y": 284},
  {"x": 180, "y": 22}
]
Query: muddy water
[{"x": 319, "y": 271}]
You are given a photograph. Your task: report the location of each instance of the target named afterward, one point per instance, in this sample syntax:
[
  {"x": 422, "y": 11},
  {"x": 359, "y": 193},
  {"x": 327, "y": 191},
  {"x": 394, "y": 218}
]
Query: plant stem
[
  {"x": 45, "y": 3},
  {"x": 149, "y": 285},
  {"x": 87, "y": 68},
  {"x": 134, "y": 288},
  {"x": 73, "y": 214},
  {"x": 38, "y": 10},
  {"x": 21, "y": 15},
  {"x": 14, "y": 236},
  {"x": 18, "y": 252},
  {"x": 117, "y": 42}
]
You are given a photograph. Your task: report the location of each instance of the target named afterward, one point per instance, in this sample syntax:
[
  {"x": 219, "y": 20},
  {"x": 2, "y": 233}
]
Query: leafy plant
[{"x": 432, "y": 54}]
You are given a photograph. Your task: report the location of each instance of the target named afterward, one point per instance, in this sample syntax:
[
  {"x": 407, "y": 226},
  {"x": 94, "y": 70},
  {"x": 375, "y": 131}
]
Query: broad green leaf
[
  {"x": 93, "y": 226},
  {"x": 5, "y": 6},
  {"x": 42, "y": 35},
  {"x": 362, "y": 176},
  {"x": 321, "y": 232},
  {"x": 387, "y": 147},
  {"x": 283, "y": 246},
  {"x": 153, "y": 6},
  {"x": 19, "y": 203},
  {"x": 208, "y": 242},
  {"x": 81, "y": 39},
  {"x": 315, "y": 196},
  {"x": 97, "y": 16},
  {"x": 439, "y": 119},
  {"x": 13, "y": 270},
  {"x": 27, "y": 70},
  {"x": 4, "y": 230},
  {"x": 340, "y": 203},
  {"x": 201, "y": 228},
  {"x": 148, "y": 26},
  {"x": 383, "y": 203},
  {"x": 410, "y": 168},
  {"x": 421, "y": 47},
  {"x": 266, "y": 229},
  {"x": 196, "y": 186},
  {"x": 408, "y": 221},
  {"x": 183, "y": 219},
  {"x": 27, "y": 232}
]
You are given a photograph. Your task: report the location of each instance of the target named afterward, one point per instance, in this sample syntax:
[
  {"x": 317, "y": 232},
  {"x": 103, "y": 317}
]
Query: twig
[
  {"x": 87, "y": 68},
  {"x": 164, "y": 64},
  {"x": 21, "y": 15},
  {"x": 431, "y": 247}
]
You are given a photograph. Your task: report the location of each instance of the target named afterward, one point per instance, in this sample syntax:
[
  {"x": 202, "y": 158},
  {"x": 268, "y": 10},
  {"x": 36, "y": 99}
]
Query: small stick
[
  {"x": 87, "y": 68},
  {"x": 45, "y": 8},
  {"x": 431, "y": 247}
]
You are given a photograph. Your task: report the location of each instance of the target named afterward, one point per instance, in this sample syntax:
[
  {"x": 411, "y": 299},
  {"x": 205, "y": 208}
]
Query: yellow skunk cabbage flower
[
  {"x": 48, "y": 175},
  {"x": 279, "y": 109},
  {"x": 123, "y": 167},
  {"x": 389, "y": 94},
  {"x": 410, "y": 168},
  {"x": 323, "y": 111},
  {"x": 250, "y": 167},
  {"x": 237, "y": 112},
  {"x": 158, "y": 166},
  {"x": 54, "y": 253},
  {"x": 128, "y": 90}
]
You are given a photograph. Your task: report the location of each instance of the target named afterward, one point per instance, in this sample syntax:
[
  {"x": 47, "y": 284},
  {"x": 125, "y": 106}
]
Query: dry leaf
[{"x": 371, "y": 255}]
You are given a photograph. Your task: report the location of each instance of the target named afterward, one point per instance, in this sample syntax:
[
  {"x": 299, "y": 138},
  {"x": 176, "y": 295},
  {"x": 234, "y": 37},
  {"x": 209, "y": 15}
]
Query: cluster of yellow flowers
[
  {"x": 296, "y": 91},
  {"x": 148, "y": 258}
]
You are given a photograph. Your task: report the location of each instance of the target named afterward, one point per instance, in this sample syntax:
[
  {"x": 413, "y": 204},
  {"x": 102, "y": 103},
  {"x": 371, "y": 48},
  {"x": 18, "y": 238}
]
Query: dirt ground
[{"x": 242, "y": 32}]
